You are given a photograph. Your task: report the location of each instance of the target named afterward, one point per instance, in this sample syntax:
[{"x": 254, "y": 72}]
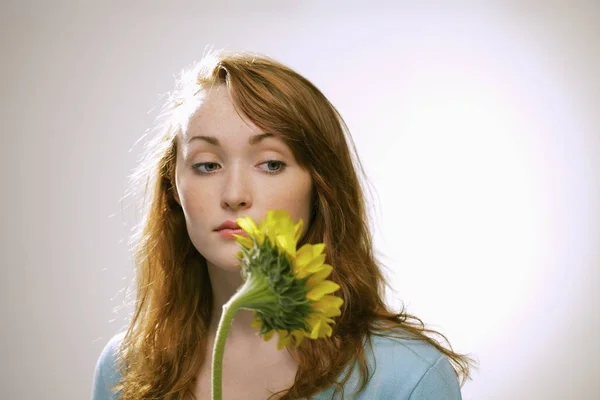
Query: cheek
[
  {"x": 294, "y": 197},
  {"x": 194, "y": 205},
  {"x": 196, "y": 221}
]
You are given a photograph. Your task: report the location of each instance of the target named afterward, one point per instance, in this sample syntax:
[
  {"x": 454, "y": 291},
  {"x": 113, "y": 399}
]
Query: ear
[
  {"x": 171, "y": 173},
  {"x": 175, "y": 194},
  {"x": 174, "y": 191}
]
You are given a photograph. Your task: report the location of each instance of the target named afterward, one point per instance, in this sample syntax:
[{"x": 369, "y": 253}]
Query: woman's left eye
[{"x": 274, "y": 166}]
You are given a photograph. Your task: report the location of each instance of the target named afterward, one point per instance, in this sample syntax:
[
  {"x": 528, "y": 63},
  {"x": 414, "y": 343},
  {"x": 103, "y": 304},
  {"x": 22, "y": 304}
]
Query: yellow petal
[
  {"x": 269, "y": 226},
  {"x": 298, "y": 231},
  {"x": 326, "y": 330},
  {"x": 309, "y": 252},
  {"x": 322, "y": 328},
  {"x": 316, "y": 264},
  {"x": 304, "y": 255},
  {"x": 247, "y": 224},
  {"x": 284, "y": 339},
  {"x": 260, "y": 237},
  {"x": 282, "y": 222},
  {"x": 243, "y": 240},
  {"x": 298, "y": 337},
  {"x": 287, "y": 245},
  {"x": 314, "y": 334},
  {"x": 319, "y": 276},
  {"x": 272, "y": 237},
  {"x": 329, "y": 306},
  {"x": 267, "y": 336},
  {"x": 318, "y": 249},
  {"x": 263, "y": 225},
  {"x": 322, "y": 289}
]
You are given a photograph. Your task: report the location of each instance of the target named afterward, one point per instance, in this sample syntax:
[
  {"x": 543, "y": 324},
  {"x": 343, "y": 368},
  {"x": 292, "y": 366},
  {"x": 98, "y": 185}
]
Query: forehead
[{"x": 213, "y": 113}]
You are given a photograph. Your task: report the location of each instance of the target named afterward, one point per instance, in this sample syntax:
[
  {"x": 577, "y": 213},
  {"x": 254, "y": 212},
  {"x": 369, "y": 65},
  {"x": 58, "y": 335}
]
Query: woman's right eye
[{"x": 205, "y": 167}]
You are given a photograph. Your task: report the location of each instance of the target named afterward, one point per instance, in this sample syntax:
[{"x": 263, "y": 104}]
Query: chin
[
  {"x": 230, "y": 267},
  {"x": 231, "y": 263}
]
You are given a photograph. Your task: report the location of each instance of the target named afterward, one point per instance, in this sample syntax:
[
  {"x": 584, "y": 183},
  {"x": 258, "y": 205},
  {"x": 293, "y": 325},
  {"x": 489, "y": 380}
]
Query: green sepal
[{"x": 273, "y": 290}]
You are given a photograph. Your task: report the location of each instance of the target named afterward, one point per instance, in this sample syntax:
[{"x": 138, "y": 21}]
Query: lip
[
  {"x": 228, "y": 233},
  {"x": 229, "y": 228},
  {"x": 229, "y": 224}
]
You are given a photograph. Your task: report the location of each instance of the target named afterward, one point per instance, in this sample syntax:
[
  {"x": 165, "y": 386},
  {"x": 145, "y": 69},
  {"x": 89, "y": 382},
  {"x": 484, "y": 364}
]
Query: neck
[
  {"x": 242, "y": 338},
  {"x": 224, "y": 285}
]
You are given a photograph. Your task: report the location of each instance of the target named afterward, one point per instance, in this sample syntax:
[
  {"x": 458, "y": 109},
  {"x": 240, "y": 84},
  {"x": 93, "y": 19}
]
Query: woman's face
[{"x": 226, "y": 169}]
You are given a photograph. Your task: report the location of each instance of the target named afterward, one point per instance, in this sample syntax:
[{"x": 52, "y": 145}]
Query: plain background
[{"x": 478, "y": 125}]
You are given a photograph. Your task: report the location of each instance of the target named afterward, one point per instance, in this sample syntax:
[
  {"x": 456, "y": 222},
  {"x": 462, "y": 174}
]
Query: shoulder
[
  {"x": 106, "y": 373},
  {"x": 403, "y": 352},
  {"x": 401, "y": 369},
  {"x": 411, "y": 369}
]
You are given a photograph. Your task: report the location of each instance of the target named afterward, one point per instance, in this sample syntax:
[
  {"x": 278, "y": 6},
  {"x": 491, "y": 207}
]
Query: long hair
[{"x": 165, "y": 343}]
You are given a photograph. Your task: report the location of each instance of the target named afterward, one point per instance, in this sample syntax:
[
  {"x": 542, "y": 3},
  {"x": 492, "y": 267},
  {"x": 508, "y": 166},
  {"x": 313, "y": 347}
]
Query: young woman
[{"x": 245, "y": 134}]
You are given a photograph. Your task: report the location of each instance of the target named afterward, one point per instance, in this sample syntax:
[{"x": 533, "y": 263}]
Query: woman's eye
[
  {"x": 274, "y": 166},
  {"x": 270, "y": 167},
  {"x": 205, "y": 167}
]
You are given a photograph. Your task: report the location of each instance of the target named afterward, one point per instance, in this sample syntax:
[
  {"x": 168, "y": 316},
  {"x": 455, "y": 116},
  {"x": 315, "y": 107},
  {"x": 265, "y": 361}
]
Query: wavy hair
[{"x": 165, "y": 342}]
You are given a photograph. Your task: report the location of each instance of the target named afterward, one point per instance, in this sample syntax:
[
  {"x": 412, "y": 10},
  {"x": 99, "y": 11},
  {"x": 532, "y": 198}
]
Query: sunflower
[
  {"x": 297, "y": 302},
  {"x": 285, "y": 287}
]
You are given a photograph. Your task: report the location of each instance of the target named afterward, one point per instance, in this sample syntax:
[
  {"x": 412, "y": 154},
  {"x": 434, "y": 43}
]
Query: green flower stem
[
  {"x": 229, "y": 311},
  {"x": 254, "y": 293}
]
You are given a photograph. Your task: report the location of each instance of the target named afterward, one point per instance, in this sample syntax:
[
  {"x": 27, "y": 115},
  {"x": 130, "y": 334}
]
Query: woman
[{"x": 245, "y": 134}]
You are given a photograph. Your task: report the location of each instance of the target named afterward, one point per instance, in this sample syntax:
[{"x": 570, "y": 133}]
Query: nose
[{"x": 236, "y": 193}]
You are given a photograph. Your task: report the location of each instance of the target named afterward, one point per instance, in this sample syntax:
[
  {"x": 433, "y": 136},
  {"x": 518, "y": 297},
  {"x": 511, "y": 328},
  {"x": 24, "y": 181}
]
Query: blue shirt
[{"x": 401, "y": 369}]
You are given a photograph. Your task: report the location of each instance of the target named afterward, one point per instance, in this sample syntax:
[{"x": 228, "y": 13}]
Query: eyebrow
[{"x": 214, "y": 141}]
